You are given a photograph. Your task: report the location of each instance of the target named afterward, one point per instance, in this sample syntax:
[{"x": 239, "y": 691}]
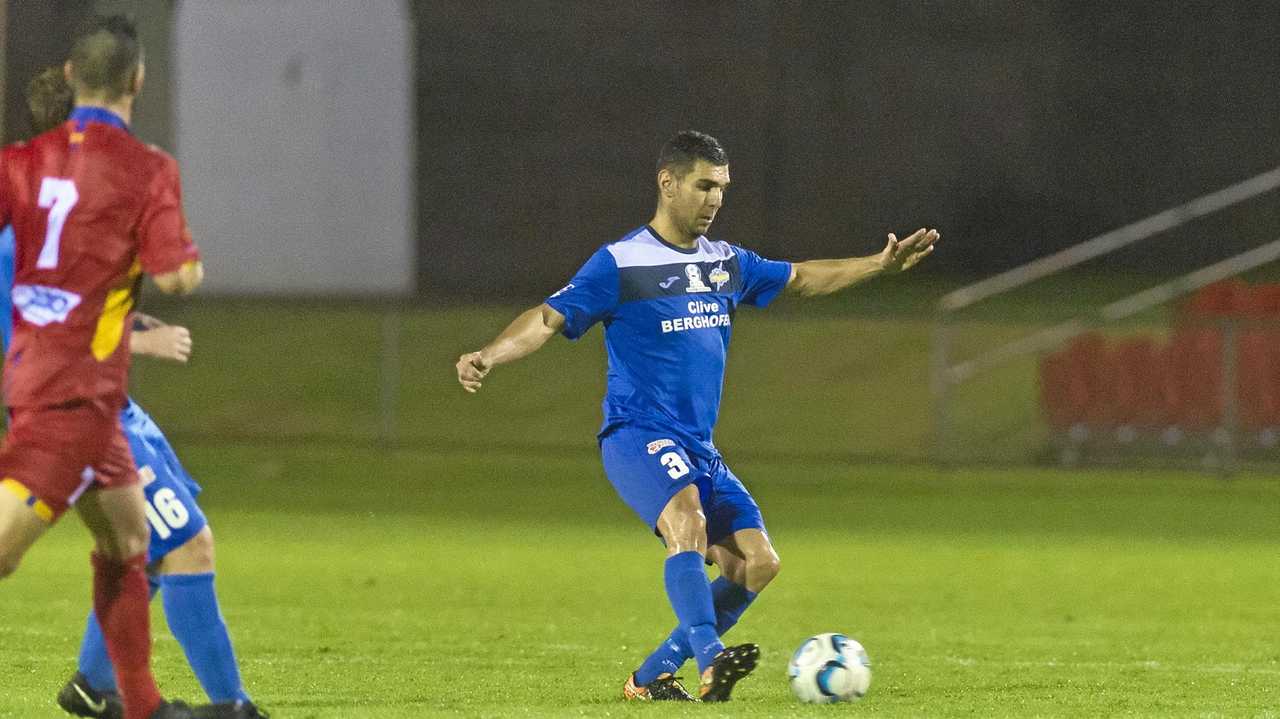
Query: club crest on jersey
[
  {"x": 719, "y": 277},
  {"x": 694, "y": 274},
  {"x": 658, "y": 445}
]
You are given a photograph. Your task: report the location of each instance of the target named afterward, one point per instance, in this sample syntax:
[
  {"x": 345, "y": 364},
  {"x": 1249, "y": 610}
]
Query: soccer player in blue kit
[
  {"x": 180, "y": 554},
  {"x": 667, "y": 297}
]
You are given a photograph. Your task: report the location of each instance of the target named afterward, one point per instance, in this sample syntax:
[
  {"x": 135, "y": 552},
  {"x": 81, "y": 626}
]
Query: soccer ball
[{"x": 829, "y": 668}]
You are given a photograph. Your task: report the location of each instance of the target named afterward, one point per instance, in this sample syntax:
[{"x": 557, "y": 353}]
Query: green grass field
[
  {"x": 480, "y": 565},
  {"x": 366, "y": 583}
]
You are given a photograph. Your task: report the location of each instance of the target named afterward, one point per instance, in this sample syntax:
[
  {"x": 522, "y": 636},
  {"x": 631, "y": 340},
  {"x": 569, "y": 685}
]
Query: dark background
[{"x": 1017, "y": 128}]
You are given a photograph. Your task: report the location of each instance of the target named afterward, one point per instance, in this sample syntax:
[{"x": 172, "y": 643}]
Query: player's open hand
[
  {"x": 169, "y": 342},
  {"x": 900, "y": 255},
  {"x": 471, "y": 369}
]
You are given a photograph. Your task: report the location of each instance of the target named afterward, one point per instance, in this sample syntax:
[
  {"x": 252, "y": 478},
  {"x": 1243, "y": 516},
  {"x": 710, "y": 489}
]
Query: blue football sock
[
  {"x": 730, "y": 601},
  {"x": 670, "y": 655},
  {"x": 94, "y": 663},
  {"x": 690, "y": 596},
  {"x": 191, "y": 607}
]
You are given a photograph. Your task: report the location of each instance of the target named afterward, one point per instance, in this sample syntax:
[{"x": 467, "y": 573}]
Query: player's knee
[
  {"x": 200, "y": 549},
  {"x": 126, "y": 548},
  {"x": 761, "y": 569},
  {"x": 686, "y": 542},
  {"x": 735, "y": 572},
  {"x": 196, "y": 556},
  {"x": 683, "y": 524},
  {"x": 766, "y": 568},
  {"x": 691, "y": 528},
  {"x": 126, "y": 542},
  {"x": 688, "y": 535}
]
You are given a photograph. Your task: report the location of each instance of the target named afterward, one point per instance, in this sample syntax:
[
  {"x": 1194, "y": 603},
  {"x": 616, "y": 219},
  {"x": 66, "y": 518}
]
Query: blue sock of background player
[
  {"x": 191, "y": 608},
  {"x": 94, "y": 663},
  {"x": 730, "y": 601},
  {"x": 690, "y": 595}
]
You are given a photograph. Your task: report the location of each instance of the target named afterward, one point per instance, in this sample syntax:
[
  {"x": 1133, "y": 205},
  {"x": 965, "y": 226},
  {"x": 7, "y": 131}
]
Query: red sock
[{"x": 122, "y": 601}]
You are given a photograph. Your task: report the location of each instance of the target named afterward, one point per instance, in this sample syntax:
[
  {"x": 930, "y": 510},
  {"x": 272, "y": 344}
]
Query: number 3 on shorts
[{"x": 676, "y": 468}]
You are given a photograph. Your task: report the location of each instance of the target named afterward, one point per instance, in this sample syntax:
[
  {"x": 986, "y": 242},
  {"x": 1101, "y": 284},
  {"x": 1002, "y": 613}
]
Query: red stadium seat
[
  {"x": 1062, "y": 402},
  {"x": 1194, "y": 380},
  {"x": 1255, "y": 391},
  {"x": 1212, "y": 301},
  {"x": 1254, "y": 302},
  {"x": 1089, "y": 358},
  {"x": 1268, "y": 297},
  {"x": 1069, "y": 383},
  {"x": 1073, "y": 387},
  {"x": 1137, "y": 383},
  {"x": 1139, "y": 377}
]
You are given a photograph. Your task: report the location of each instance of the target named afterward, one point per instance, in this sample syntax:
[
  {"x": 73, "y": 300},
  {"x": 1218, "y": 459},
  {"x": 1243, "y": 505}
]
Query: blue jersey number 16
[{"x": 166, "y": 512}]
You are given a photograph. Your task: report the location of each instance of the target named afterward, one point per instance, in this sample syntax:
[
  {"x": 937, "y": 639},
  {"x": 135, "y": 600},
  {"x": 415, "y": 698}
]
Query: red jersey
[{"x": 91, "y": 208}]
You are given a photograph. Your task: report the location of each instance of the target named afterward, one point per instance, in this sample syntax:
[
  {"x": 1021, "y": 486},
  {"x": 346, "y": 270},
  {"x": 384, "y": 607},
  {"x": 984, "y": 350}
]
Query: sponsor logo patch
[
  {"x": 666, "y": 284},
  {"x": 719, "y": 277},
  {"x": 694, "y": 274},
  {"x": 42, "y": 305},
  {"x": 658, "y": 445},
  {"x": 562, "y": 290}
]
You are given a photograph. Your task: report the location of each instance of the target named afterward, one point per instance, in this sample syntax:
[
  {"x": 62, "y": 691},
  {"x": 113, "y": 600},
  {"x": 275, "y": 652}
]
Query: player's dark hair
[
  {"x": 49, "y": 99},
  {"x": 105, "y": 56},
  {"x": 687, "y": 147}
]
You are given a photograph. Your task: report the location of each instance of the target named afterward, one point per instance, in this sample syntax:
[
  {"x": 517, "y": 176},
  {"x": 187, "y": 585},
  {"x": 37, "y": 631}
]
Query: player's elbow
[
  {"x": 801, "y": 289},
  {"x": 802, "y": 281},
  {"x": 552, "y": 320},
  {"x": 182, "y": 281},
  {"x": 805, "y": 286}
]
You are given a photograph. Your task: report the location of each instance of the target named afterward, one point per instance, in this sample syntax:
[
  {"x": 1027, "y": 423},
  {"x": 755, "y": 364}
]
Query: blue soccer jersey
[{"x": 668, "y": 316}]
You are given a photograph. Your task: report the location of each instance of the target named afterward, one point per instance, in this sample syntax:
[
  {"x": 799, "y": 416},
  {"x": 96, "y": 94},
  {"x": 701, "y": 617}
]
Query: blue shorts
[
  {"x": 647, "y": 468},
  {"x": 171, "y": 493}
]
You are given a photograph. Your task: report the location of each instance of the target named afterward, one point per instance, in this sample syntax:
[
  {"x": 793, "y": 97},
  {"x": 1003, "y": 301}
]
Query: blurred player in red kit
[{"x": 92, "y": 209}]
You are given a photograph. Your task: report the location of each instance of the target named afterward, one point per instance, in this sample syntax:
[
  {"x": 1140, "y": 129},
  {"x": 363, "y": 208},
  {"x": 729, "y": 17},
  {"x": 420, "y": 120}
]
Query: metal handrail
[
  {"x": 1118, "y": 310},
  {"x": 1110, "y": 241},
  {"x": 943, "y": 375}
]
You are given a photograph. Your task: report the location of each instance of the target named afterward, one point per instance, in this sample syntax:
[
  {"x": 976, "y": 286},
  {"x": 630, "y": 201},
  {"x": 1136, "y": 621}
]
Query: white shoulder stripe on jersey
[{"x": 644, "y": 250}]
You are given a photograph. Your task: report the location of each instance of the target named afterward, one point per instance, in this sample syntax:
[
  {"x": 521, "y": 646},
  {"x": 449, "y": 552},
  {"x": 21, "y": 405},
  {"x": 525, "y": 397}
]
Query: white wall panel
[{"x": 294, "y": 129}]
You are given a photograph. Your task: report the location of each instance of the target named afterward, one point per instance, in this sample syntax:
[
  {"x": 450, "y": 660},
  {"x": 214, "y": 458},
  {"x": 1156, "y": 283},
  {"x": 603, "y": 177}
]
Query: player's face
[{"x": 699, "y": 195}]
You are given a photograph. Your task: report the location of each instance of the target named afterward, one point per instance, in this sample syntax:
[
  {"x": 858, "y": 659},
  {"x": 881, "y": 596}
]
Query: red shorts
[{"x": 56, "y": 453}]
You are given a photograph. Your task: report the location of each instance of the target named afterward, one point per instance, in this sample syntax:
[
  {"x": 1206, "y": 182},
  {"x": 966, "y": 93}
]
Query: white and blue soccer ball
[{"x": 829, "y": 668}]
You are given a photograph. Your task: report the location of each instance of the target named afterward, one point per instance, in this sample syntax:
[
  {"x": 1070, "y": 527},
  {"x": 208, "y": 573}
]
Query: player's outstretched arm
[
  {"x": 523, "y": 336},
  {"x": 823, "y": 277}
]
